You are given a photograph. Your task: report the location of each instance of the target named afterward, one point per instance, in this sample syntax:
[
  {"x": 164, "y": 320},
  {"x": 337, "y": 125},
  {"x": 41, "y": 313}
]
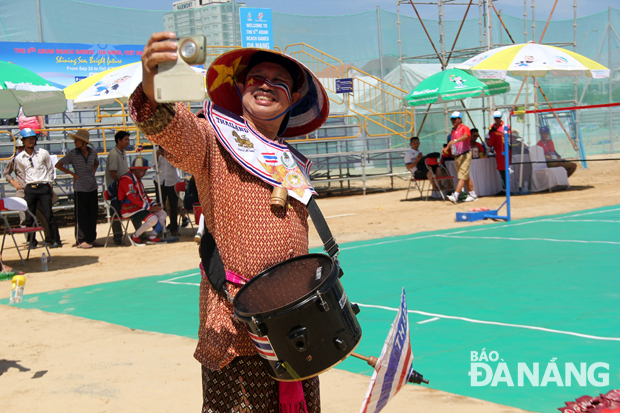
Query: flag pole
[{"x": 414, "y": 377}]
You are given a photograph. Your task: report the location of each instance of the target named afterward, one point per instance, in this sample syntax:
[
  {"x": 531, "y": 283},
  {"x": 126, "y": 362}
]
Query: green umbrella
[
  {"x": 22, "y": 87},
  {"x": 454, "y": 84}
]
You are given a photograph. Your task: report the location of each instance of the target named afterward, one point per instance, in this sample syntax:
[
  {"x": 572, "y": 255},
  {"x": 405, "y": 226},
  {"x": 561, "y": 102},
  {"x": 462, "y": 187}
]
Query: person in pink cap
[
  {"x": 459, "y": 146},
  {"x": 238, "y": 155}
]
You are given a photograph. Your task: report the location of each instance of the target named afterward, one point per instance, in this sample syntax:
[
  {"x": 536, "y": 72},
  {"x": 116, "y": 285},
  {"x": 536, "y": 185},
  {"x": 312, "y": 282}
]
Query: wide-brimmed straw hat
[
  {"x": 81, "y": 134},
  {"x": 230, "y": 68}
]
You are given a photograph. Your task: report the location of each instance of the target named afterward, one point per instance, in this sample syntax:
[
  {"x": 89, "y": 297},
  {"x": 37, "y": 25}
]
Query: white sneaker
[
  {"x": 454, "y": 198},
  {"x": 471, "y": 198}
]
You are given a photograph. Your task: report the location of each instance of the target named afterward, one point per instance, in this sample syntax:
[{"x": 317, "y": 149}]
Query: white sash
[{"x": 276, "y": 164}]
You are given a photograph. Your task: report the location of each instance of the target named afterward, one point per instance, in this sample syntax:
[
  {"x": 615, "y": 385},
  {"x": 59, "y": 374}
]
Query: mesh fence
[{"x": 359, "y": 39}]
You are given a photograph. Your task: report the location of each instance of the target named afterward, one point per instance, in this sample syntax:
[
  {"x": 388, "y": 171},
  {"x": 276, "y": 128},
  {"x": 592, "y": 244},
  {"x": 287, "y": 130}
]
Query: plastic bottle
[
  {"x": 17, "y": 289},
  {"x": 43, "y": 262}
]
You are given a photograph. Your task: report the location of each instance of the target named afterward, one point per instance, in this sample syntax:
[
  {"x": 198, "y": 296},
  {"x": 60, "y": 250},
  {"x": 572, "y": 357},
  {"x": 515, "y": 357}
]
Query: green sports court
[{"x": 540, "y": 294}]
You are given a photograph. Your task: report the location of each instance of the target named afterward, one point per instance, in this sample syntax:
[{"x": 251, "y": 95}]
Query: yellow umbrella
[
  {"x": 74, "y": 90},
  {"x": 532, "y": 59}
]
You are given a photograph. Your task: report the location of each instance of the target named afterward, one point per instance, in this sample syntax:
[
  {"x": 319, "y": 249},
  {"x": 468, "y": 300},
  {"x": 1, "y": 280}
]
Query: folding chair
[
  {"x": 431, "y": 161},
  {"x": 114, "y": 215},
  {"x": 19, "y": 204},
  {"x": 417, "y": 184},
  {"x": 544, "y": 177},
  {"x": 181, "y": 188}
]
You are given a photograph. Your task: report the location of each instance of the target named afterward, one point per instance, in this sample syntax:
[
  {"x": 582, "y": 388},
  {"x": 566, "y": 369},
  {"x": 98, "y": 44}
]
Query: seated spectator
[
  {"x": 414, "y": 161},
  {"x": 516, "y": 142},
  {"x": 477, "y": 149},
  {"x": 553, "y": 158},
  {"x": 136, "y": 203}
]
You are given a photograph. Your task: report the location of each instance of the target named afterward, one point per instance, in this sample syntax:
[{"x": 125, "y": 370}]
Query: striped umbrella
[
  {"x": 106, "y": 88},
  {"x": 453, "y": 84},
  {"x": 532, "y": 59},
  {"x": 22, "y": 87}
]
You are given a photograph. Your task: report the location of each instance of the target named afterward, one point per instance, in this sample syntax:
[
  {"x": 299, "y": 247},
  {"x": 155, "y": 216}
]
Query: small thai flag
[
  {"x": 263, "y": 346},
  {"x": 270, "y": 157}
]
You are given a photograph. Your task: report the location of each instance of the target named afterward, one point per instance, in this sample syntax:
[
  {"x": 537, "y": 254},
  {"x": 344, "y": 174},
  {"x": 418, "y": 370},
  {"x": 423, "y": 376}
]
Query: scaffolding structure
[{"x": 485, "y": 23}]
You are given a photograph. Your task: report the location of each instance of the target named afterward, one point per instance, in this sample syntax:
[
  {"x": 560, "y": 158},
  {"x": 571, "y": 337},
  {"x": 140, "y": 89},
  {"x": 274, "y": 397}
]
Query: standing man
[
  {"x": 553, "y": 158},
  {"x": 116, "y": 166},
  {"x": 258, "y": 97},
  {"x": 85, "y": 162},
  {"x": 167, "y": 177},
  {"x": 39, "y": 171},
  {"x": 496, "y": 140},
  {"x": 459, "y": 146},
  {"x": 19, "y": 183}
]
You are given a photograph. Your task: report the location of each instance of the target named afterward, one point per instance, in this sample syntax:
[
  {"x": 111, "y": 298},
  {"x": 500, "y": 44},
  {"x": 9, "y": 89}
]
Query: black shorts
[{"x": 422, "y": 171}]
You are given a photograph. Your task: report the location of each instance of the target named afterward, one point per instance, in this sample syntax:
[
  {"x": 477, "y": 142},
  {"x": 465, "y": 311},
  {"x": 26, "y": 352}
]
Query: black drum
[{"x": 299, "y": 317}]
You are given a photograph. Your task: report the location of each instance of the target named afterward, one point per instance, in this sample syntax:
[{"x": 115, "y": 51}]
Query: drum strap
[
  {"x": 214, "y": 267},
  {"x": 329, "y": 243}
]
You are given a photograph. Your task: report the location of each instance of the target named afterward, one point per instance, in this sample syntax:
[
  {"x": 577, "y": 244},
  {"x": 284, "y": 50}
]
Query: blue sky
[{"x": 564, "y": 9}]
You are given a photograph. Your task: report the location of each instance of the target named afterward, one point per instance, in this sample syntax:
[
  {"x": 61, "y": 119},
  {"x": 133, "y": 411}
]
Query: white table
[{"x": 484, "y": 173}]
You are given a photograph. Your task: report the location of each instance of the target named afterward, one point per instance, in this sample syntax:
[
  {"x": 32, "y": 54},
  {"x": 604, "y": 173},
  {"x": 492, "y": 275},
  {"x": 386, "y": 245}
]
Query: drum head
[{"x": 284, "y": 284}]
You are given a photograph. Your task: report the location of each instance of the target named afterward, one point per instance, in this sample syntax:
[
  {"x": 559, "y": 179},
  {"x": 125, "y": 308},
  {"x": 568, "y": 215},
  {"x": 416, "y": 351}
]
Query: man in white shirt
[
  {"x": 414, "y": 161},
  {"x": 168, "y": 177},
  {"x": 39, "y": 174}
]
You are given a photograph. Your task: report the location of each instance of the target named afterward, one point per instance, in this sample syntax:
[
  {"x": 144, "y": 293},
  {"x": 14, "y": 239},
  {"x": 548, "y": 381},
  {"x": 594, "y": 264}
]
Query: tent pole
[
  {"x": 39, "y": 20},
  {"x": 611, "y": 70}
]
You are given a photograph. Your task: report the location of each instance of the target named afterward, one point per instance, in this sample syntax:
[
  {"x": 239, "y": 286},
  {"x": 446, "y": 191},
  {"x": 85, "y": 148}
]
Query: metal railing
[
  {"x": 383, "y": 101},
  {"x": 324, "y": 66}
]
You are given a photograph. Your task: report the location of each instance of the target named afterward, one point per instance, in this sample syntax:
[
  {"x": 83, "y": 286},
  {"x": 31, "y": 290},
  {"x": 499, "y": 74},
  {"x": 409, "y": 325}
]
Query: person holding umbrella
[{"x": 85, "y": 162}]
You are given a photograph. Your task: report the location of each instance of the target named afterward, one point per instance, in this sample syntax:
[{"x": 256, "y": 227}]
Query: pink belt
[
  {"x": 230, "y": 276},
  {"x": 291, "y": 394}
]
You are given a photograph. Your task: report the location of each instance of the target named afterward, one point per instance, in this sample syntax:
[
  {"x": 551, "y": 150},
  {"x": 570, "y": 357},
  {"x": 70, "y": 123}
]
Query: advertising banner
[
  {"x": 256, "y": 27},
  {"x": 65, "y": 63}
]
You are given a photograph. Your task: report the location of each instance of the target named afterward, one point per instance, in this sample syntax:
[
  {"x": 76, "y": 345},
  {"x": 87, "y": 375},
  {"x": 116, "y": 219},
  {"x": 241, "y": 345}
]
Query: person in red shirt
[
  {"x": 496, "y": 140},
  {"x": 553, "y": 158},
  {"x": 136, "y": 203},
  {"x": 459, "y": 145},
  {"x": 477, "y": 150}
]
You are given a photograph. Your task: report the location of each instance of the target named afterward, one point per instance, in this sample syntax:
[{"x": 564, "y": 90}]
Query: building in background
[{"x": 213, "y": 19}]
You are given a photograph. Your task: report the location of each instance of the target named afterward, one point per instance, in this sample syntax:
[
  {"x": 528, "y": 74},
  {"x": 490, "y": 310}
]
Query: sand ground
[{"x": 56, "y": 362}]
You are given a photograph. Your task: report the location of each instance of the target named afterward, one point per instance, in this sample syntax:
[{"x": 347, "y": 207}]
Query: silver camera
[{"x": 176, "y": 81}]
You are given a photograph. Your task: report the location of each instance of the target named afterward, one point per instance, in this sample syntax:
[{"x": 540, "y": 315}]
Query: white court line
[
  {"x": 485, "y": 228},
  {"x": 582, "y": 220},
  {"x": 495, "y": 323},
  {"x": 591, "y": 213},
  {"x": 430, "y": 320},
  {"x": 534, "y": 239},
  {"x": 337, "y": 216},
  {"x": 170, "y": 281}
]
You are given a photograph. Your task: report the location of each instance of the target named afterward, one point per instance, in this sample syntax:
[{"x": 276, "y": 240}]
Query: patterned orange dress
[{"x": 250, "y": 235}]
